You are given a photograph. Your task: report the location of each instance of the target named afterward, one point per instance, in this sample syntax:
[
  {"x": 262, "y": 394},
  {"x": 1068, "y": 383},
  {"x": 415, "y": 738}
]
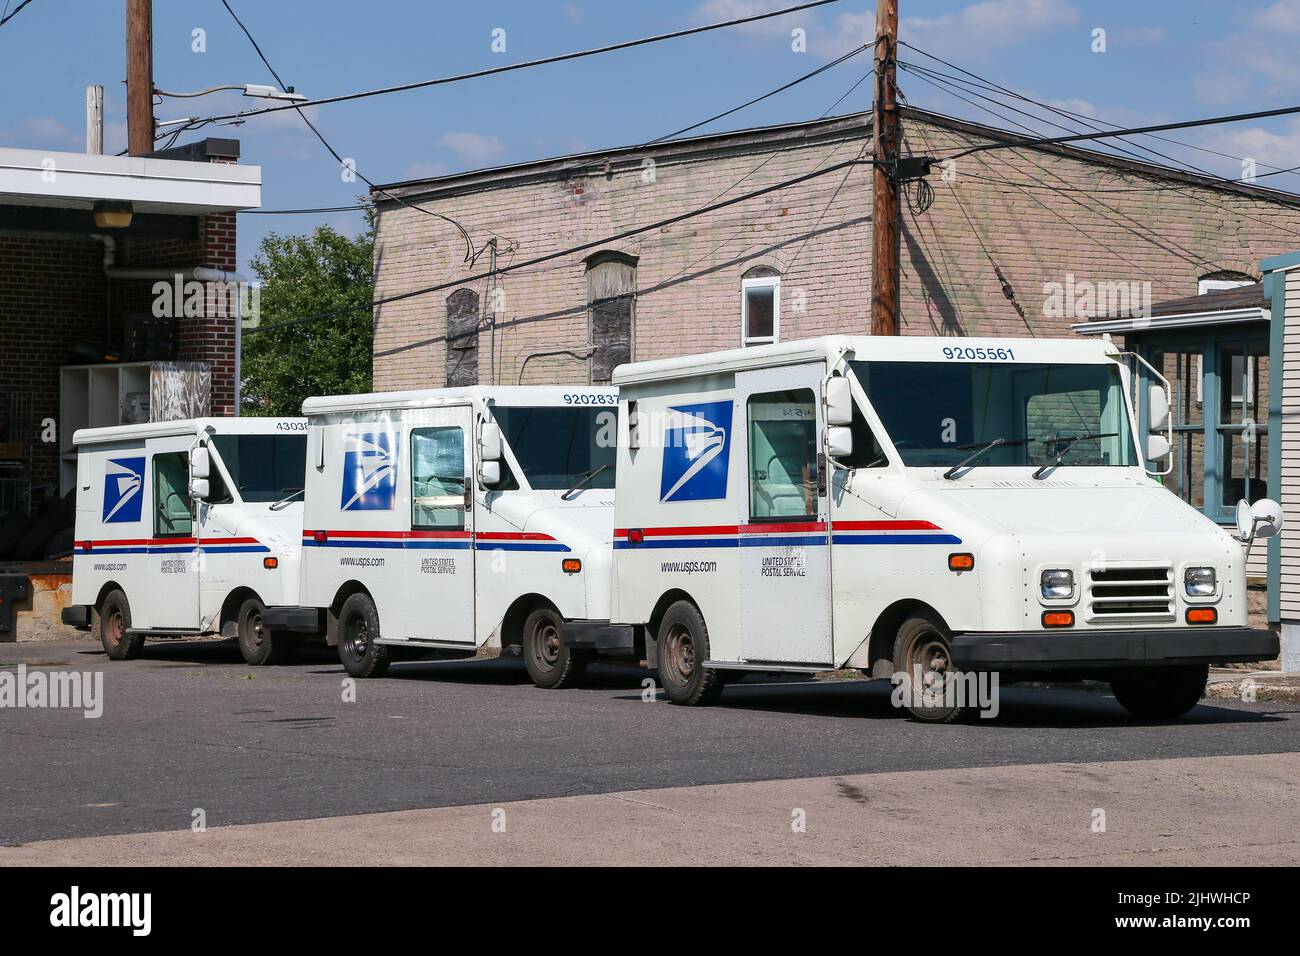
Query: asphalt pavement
[{"x": 189, "y": 726}]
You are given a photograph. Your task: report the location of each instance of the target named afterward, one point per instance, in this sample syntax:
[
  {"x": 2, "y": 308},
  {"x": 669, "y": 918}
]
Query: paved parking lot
[{"x": 189, "y": 726}]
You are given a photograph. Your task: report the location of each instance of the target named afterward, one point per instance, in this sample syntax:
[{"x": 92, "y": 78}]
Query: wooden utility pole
[
  {"x": 139, "y": 77},
  {"x": 884, "y": 191},
  {"x": 95, "y": 120}
]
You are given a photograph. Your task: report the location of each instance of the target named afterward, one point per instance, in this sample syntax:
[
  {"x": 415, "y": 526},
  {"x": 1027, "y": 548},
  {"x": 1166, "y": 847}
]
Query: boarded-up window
[
  {"x": 462, "y": 338},
  {"x": 611, "y": 307}
]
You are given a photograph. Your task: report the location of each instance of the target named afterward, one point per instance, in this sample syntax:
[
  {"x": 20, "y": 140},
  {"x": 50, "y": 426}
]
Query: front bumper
[
  {"x": 308, "y": 620},
  {"x": 1047, "y": 650},
  {"x": 76, "y": 615},
  {"x": 601, "y": 637}
]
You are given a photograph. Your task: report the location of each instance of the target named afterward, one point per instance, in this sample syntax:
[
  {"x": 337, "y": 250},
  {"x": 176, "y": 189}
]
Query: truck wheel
[
  {"x": 922, "y": 653},
  {"x": 550, "y": 662},
  {"x": 359, "y": 650},
  {"x": 114, "y": 622},
  {"x": 1160, "y": 692},
  {"x": 682, "y": 648},
  {"x": 256, "y": 642}
]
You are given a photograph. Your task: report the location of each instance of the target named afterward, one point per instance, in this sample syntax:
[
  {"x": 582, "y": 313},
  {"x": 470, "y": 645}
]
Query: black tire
[
  {"x": 551, "y": 663},
  {"x": 359, "y": 650},
  {"x": 257, "y": 643},
  {"x": 113, "y": 621},
  {"x": 1160, "y": 693},
  {"x": 681, "y": 648},
  {"x": 921, "y": 650}
]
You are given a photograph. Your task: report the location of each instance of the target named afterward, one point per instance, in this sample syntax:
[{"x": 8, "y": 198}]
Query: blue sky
[{"x": 1164, "y": 60}]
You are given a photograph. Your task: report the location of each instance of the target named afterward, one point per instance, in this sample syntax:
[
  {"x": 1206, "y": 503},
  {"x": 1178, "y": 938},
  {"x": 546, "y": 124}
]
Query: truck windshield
[
  {"x": 559, "y": 446},
  {"x": 938, "y": 413},
  {"x": 264, "y": 468}
]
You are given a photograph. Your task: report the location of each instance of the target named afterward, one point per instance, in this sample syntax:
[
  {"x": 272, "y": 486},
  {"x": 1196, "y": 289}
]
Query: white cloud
[
  {"x": 574, "y": 14},
  {"x": 1281, "y": 17},
  {"x": 977, "y": 28},
  {"x": 990, "y": 25},
  {"x": 712, "y": 11},
  {"x": 42, "y": 132},
  {"x": 1139, "y": 36},
  {"x": 424, "y": 171},
  {"x": 473, "y": 147}
]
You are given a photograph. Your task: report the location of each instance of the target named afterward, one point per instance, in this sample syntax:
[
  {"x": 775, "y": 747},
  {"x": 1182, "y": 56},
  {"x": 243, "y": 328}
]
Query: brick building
[
  {"x": 1015, "y": 242},
  {"x": 77, "y": 292}
]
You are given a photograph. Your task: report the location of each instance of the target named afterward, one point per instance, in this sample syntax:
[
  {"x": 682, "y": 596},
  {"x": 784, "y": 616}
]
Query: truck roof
[
  {"x": 247, "y": 425},
  {"x": 902, "y": 348},
  {"x": 430, "y": 397}
]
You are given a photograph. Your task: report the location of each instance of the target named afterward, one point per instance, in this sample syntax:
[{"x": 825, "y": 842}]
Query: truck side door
[
  {"x": 784, "y": 541},
  {"x": 439, "y": 555},
  {"x": 175, "y": 561}
]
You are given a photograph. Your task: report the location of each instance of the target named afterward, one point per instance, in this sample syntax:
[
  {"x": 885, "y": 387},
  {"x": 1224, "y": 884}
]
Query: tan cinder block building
[{"x": 1015, "y": 242}]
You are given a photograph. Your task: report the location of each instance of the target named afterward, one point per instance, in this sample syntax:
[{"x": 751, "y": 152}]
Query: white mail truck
[
  {"x": 917, "y": 508},
  {"x": 452, "y": 520},
  {"x": 190, "y": 528}
]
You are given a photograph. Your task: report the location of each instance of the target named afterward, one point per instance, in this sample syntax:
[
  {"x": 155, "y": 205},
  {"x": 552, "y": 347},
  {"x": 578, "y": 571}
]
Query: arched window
[
  {"x": 1223, "y": 279},
  {"x": 760, "y": 306},
  {"x": 462, "y": 338},
  {"x": 611, "y": 306}
]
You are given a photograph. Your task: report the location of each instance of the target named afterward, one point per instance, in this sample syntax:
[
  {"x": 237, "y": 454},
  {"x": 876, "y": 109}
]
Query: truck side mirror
[
  {"x": 200, "y": 462},
  {"x": 1157, "y": 447},
  {"x": 839, "y": 441},
  {"x": 1157, "y": 408},
  {"x": 839, "y": 401},
  {"x": 199, "y": 489},
  {"x": 1263, "y": 519},
  {"x": 489, "y": 473},
  {"x": 489, "y": 443}
]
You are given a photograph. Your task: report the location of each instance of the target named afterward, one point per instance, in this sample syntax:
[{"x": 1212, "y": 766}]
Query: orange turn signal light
[
  {"x": 1058, "y": 618},
  {"x": 270, "y": 563},
  {"x": 571, "y": 565},
  {"x": 962, "y": 561},
  {"x": 1202, "y": 615}
]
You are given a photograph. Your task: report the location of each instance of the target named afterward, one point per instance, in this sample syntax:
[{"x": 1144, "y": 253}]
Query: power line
[
  {"x": 572, "y": 250},
  {"x": 297, "y": 212},
  {"x": 1131, "y": 131},
  {"x": 470, "y": 254},
  {"x": 543, "y": 61},
  {"x": 17, "y": 10}
]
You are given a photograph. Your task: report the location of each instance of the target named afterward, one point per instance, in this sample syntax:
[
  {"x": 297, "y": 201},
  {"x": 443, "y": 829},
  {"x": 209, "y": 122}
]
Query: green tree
[{"x": 304, "y": 276}]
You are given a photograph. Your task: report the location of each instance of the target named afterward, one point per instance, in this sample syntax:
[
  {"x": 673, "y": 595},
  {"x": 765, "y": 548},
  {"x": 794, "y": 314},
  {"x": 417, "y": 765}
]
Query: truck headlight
[
  {"x": 1200, "y": 582},
  {"x": 1057, "y": 584}
]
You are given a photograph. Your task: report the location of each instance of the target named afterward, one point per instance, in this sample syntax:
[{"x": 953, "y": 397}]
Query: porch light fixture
[{"x": 113, "y": 215}]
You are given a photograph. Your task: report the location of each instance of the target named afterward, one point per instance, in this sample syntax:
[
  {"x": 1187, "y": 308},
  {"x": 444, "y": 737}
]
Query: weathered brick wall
[
  {"x": 54, "y": 295},
  {"x": 51, "y": 296},
  {"x": 1037, "y": 216}
]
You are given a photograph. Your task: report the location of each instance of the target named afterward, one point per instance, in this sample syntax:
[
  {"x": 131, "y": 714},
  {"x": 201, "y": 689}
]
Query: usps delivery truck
[
  {"x": 450, "y": 521},
  {"x": 190, "y": 528},
  {"x": 916, "y": 507}
]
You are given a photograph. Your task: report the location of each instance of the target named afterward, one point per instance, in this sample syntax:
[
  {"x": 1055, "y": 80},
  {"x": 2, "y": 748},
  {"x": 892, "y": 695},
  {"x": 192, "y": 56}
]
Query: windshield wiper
[
  {"x": 1063, "y": 446},
  {"x": 980, "y": 452},
  {"x": 583, "y": 479},
  {"x": 284, "y": 502}
]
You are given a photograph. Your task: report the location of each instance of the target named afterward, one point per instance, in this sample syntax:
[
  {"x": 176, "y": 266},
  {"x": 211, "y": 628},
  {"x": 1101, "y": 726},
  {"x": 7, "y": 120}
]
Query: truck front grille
[{"x": 1130, "y": 594}]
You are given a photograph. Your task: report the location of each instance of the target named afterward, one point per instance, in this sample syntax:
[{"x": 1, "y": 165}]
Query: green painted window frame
[{"x": 1211, "y": 346}]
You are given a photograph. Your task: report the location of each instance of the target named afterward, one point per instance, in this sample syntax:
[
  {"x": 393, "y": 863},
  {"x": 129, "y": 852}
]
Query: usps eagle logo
[
  {"x": 697, "y": 439},
  {"x": 123, "y": 490},
  {"x": 369, "y": 472}
]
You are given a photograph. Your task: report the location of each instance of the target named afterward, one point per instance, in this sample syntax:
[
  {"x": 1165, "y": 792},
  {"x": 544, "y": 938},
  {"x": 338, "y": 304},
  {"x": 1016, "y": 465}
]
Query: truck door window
[
  {"x": 171, "y": 496},
  {"x": 782, "y": 455},
  {"x": 438, "y": 478}
]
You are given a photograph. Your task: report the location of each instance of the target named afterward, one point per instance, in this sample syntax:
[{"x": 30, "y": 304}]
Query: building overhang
[
  {"x": 1181, "y": 321},
  {"x": 54, "y": 180}
]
